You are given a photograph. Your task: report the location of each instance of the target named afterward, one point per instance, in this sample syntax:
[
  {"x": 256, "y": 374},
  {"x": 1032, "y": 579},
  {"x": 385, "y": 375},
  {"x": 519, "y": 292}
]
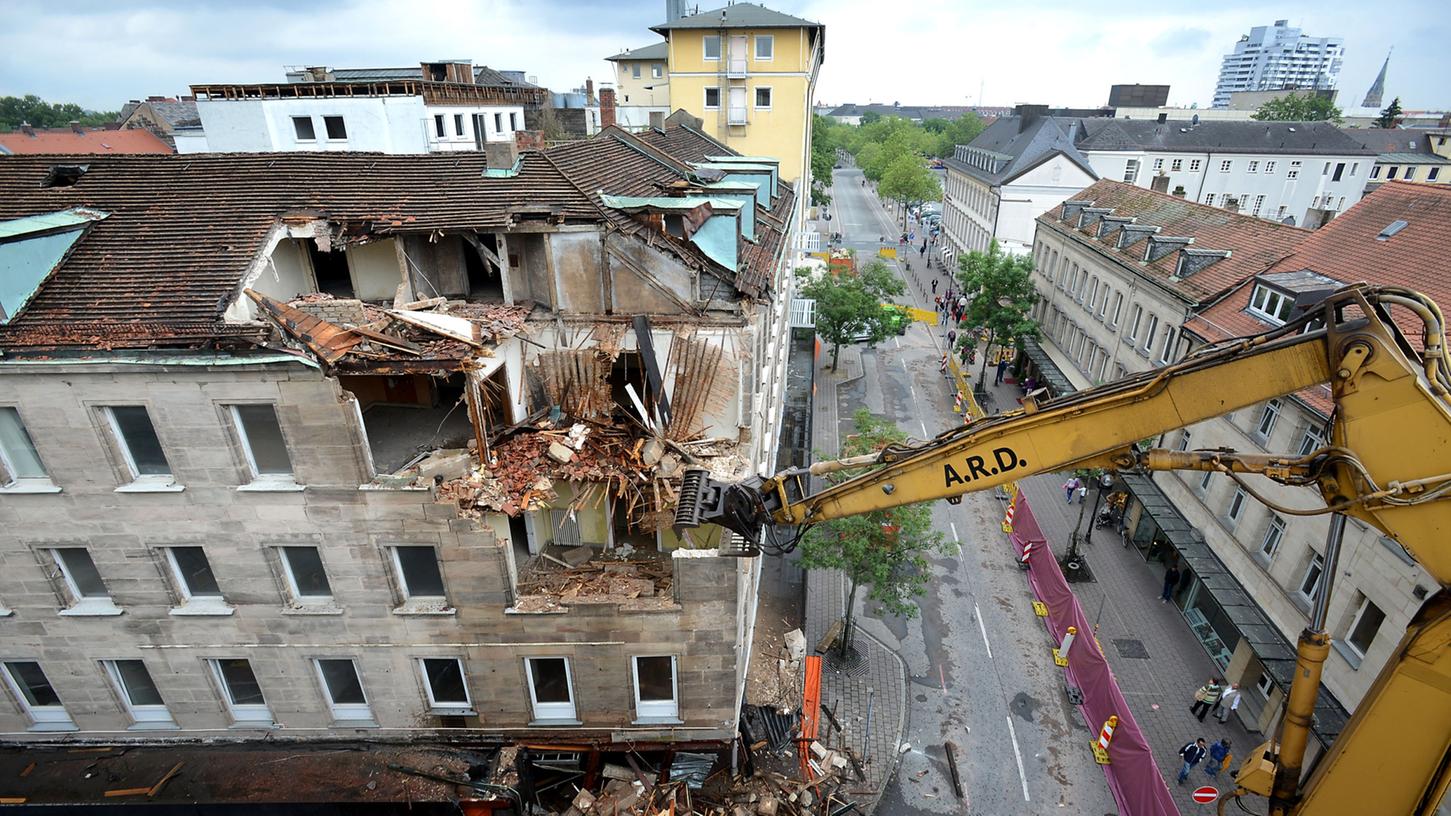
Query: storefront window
[{"x": 1209, "y": 622}]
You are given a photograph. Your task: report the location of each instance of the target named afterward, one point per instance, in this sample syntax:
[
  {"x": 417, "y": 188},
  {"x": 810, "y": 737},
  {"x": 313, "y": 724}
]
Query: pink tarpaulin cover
[{"x": 1133, "y": 776}]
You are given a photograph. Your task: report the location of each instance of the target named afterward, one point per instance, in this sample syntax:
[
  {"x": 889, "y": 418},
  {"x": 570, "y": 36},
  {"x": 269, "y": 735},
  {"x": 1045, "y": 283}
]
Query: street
[{"x": 980, "y": 665}]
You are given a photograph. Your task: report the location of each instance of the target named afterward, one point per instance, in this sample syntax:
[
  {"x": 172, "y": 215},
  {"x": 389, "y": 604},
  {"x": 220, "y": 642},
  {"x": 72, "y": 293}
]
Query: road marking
[
  {"x": 983, "y": 628},
  {"x": 954, "y": 532},
  {"x": 924, "y": 429},
  {"x": 1017, "y": 753},
  {"x": 896, "y": 342},
  {"x": 942, "y": 677}
]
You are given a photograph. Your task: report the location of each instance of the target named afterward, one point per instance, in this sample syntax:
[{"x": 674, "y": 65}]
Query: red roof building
[{"x": 80, "y": 140}]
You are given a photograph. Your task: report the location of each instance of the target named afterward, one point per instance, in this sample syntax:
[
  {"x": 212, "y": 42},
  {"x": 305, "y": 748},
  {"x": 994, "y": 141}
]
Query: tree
[
  {"x": 886, "y": 550},
  {"x": 849, "y": 305},
  {"x": 871, "y": 159},
  {"x": 909, "y": 182},
  {"x": 1306, "y": 107},
  {"x": 959, "y": 131},
  {"x": 1391, "y": 116},
  {"x": 870, "y": 116},
  {"x": 824, "y": 140},
  {"x": 1000, "y": 293},
  {"x": 37, "y": 112}
]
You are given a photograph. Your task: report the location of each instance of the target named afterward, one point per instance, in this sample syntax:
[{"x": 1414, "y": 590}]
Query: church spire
[{"x": 1377, "y": 88}]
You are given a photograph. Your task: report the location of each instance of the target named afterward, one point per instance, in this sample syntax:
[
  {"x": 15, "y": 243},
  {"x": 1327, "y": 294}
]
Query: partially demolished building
[{"x": 329, "y": 446}]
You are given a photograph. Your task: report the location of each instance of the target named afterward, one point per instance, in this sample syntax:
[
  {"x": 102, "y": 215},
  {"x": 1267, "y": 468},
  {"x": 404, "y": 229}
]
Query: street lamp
[{"x": 1075, "y": 566}]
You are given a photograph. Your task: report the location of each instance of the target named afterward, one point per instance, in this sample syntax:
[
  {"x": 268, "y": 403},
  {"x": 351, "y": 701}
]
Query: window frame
[
  {"x": 458, "y": 126},
  {"x": 657, "y": 70},
  {"x": 1194, "y": 165},
  {"x": 1269, "y": 414},
  {"x": 270, "y": 480},
  {"x": 1235, "y": 511},
  {"x": 344, "y": 714},
  {"x": 1131, "y": 171},
  {"x": 1316, "y": 565},
  {"x": 80, "y": 604},
  {"x": 446, "y": 707},
  {"x": 240, "y": 712},
  {"x": 1150, "y": 334},
  {"x": 656, "y": 711},
  {"x": 139, "y": 480},
  {"x": 143, "y": 715},
  {"x": 289, "y": 577},
  {"x": 1176, "y": 165},
  {"x": 411, "y": 602},
  {"x": 1259, "y": 306},
  {"x": 756, "y": 97},
  {"x": 1131, "y": 333},
  {"x": 1166, "y": 349},
  {"x": 1294, "y": 171},
  {"x": 551, "y": 712},
  {"x": 10, "y": 478},
  {"x": 705, "y": 94},
  {"x": 1226, "y": 165},
  {"x": 757, "y": 39},
  {"x": 705, "y": 47},
  {"x": 635, "y": 70},
  {"x": 191, "y": 602},
  {"x": 1349, "y": 640},
  {"x": 297, "y": 134},
  {"x": 1274, "y": 536},
  {"x": 327, "y": 122},
  {"x": 43, "y": 717}
]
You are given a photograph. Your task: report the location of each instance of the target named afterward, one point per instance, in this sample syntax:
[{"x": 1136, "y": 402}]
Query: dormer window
[{"x": 1270, "y": 305}]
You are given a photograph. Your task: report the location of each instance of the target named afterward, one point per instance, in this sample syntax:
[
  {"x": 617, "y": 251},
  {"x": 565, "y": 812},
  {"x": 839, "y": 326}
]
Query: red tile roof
[
  {"x": 1254, "y": 243},
  {"x": 66, "y": 140}
]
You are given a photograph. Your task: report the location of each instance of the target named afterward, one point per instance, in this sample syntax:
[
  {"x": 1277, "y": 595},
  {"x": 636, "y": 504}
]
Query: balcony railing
[
  {"x": 737, "y": 116},
  {"x": 736, "y": 68}
]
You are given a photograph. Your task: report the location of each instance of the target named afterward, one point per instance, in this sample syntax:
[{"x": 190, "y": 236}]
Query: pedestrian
[
  {"x": 934, "y": 290},
  {"x": 962, "y": 354},
  {"x": 1205, "y": 697},
  {"x": 951, "y": 337},
  {"x": 909, "y": 266},
  {"x": 1083, "y": 494},
  {"x": 1171, "y": 578},
  {"x": 1192, "y": 753},
  {"x": 1070, "y": 487},
  {"x": 1227, "y": 703},
  {"x": 1002, "y": 369},
  {"x": 962, "y": 303},
  {"x": 1218, "y": 757}
]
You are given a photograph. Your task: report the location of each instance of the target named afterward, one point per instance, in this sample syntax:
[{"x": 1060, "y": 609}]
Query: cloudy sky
[{"x": 100, "y": 54}]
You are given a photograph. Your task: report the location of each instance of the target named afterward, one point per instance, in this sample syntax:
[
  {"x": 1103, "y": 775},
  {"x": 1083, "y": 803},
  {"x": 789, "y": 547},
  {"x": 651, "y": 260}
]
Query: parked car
[{"x": 897, "y": 320}]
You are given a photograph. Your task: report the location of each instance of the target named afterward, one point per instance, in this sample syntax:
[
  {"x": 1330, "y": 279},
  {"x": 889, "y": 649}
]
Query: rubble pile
[{"x": 641, "y": 575}]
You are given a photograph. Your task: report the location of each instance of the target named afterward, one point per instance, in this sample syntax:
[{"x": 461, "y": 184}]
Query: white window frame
[
  {"x": 1209, "y": 199},
  {"x": 1258, "y": 205},
  {"x": 351, "y": 714},
  {"x": 142, "y": 715},
  {"x": 657, "y": 70},
  {"x": 413, "y": 603},
  {"x": 1317, "y": 562},
  {"x": 656, "y": 710},
  {"x": 1267, "y": 304},
  {"x": 1158, "y": 164},
  {"x": 1194, "y": 165},
  {"x": 1176, "y": 165},
  {"x": 261, "y": 481},
  {"x": 1269, "y": 168},
  {"x": 42, "y": 717},
  {"x": 1205, "y": 480},
  {"x": 1224, "y": 166},
  {"x": 1118, "y": 307},
  {"x": 1103, "y": 304},
  {"x": 192, "y": 604},
  {"x": 246, "y": 715},
  {"x": 446, "y": 707},
  {"x": 458, "y": 130},
  {"x": 1294, "y": 171},
  {"x": 1274, "y": 537},
  {"x": 82, "y": 605},
  {"x": 1235, "y": 511},
  {"x": 1166, "y": 350},
  {"x": 10, "y": 480},
  {"x": 1136, "y": 317},
  {"x": 705, "y": 49},
  {"x": 1269, "y": 417},
  {"x": 1311, "y": 440},
  {"x": 635, "y": 70},
  {"x": 140, "y": 482},
  {"x": 1355, "y": 622},
  {"x": 1131, "y": 171},
  {"x": 705, "y": 97},
  {"x": 756, "y": 47},
  {"x": 294, "y": 592},
  {"x": 1149, "y": 335},
  {"x": 1254, "y": 166},
  {"x": 755, "y": 97},
  {"x": 1265, "y": 684},
  {"x": 547, "y": 712},
  {"x": 301, "y": 139},
  {"x": 328, "y": 136}
]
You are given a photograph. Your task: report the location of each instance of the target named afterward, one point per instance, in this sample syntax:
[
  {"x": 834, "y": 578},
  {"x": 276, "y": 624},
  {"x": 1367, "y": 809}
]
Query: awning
[
  {"x": 1052, "y": 377},
  {"x": 1271, "y": 646}
]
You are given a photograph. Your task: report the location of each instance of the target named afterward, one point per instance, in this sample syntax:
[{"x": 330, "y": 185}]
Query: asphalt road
[{"x": 982, "y": 674}]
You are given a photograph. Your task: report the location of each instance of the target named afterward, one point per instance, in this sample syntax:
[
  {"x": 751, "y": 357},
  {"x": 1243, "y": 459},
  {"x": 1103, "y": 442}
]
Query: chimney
[
  {"x": 529, "y": 140},
  {"x": 316, "y": 73},
  {"x": 1163, "y": 117},
  {"x": 1028, "y": 114},
  {"x": 501, "y": 155},
  {"x": 156, "y": 99},
  {"x": 1159, "y": 184},
  {"x": 589, "y": 91},
  {"x": 607, "y": 107},
  {"x": 76, "y": 127},
  {"x": 27, "y": 129}
]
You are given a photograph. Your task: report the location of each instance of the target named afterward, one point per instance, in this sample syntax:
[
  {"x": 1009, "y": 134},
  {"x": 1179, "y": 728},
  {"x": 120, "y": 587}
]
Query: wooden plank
[
  {"x": 810, "y": 712},
  {"x": 161, "y": 783},
  {"x": 127, "y": 792},
  {"x": 28, "y": 769}
]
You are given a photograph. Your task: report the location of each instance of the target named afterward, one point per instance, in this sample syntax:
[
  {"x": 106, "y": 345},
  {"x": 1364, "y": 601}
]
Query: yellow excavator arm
[{"x": 1388, "y": 463}]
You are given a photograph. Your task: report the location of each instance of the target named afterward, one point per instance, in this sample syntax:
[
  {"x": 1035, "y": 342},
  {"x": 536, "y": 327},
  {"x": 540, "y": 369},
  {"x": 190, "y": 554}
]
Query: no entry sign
[{"x": 1206, "y": 794}]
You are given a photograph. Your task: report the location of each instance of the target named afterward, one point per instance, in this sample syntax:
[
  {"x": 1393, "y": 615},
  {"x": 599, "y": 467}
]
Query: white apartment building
[
  {"x": 1279, "y": 56},
  {"x": 1301, "y": 173},
  {"x": 439, "y": 107},
  {"x": 1017, "y": 168}
]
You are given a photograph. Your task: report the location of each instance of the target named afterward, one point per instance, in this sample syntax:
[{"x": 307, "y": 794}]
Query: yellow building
[
  {"x": 749, "y": 73},
  {"x": 642, "y": 86}
]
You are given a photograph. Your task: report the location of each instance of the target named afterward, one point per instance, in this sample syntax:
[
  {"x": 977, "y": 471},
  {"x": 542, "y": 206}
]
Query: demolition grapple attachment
[{"x": 736, "y": 506}]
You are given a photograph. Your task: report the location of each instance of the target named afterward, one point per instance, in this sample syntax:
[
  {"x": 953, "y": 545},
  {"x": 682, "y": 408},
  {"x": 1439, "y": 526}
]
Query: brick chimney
[
  {"x": 76, "y": 127},
  {"x": 607, "y": 107},
  {"x": 27, "y": 129},
  {"x": 589, "y": 91},
  {"x": 529, "y": 139}
]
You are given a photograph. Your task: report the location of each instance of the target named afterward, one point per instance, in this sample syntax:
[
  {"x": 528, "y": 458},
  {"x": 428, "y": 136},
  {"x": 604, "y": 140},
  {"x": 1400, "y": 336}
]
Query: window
[
  {"x": 302, "y": 127},
  {"x": 1103, "y": 304},
  {"x": 443, "y": 683},
  {"x": 551, "y": 688},
  {"x": 1176, "y": 165},
  {"x": 513, "y": 122},
  {"x": 241, "y": 691},
  {"x": 138, "y": 693},
  {"x": 1209, "y": 200},
  {"x": 1183, "y": 444},
  {"x": 498, "y": 123},
  {"x": 438, "y": 128},
  {"x": 1092, "y": 294},
  {"x": 635, "y": 70},
  {"x": 20, "y": 465},
  {"x": 1339, "y": 171},
  {"x": 1205, "y": 480},
  {"x": 1391, "y": 171},
  {"x": 657, "y": 71},
  {"x": 1325, "y": 171},
  {"x": 1309, "y": 586},
  {"x": 1363, "y": 630},
  {"x": 1274, "y": 534},
  {"x": 262, "y": 443},
  {"x": 1410, "y": 174},
  {"x": 87, "y": 593},
  {"x": 458, "y": 124},
  {"x": 1294, "y": 170},
  {"x": 1131, "y": 170},
  {"x": 1194, "y": 165},
  {"x": 1269, "y": 167},
  {"x": 1135, "y": 318},
  {"x": 763, "y": 99},
  {"x": 418, "y": 574},
  {"x": 306, "y": 579},
  {"x": 1236, "y": 506},
  {"x": 1149, "y": 335},
  {"x": 195, "y": 583},
  {"x": 139, "y": 445},
  {"x": 1254, "y": 167},
  {"x": 1270, "y": 304},
  {"x": 1268, "y": 418},
  {"x": 1265, "y": 684},
  {"x": 1375, "y": 172},
  {"x": 37, "y": 697},
  {"x": 655, "y": 693},
  {"x": 1259, "y": 203},
  {"x": 1166, "y": 351},
  {"x": 1158, "y": 164},
  {"x": 1118, "y": 307},
  {"x": 1280, "y": 213},
  {"x": 711, "y": 46},
  {"x": 1312, "y": 441},
  {"x": 1225, "y": 165},
  {"x": 336, "y": 130},
  {"x": 765, "y": 47},
  {"x": 344, "y": 689},
  {"x": 1433, "y": 173},
  {"x": 712, "y": 97}
]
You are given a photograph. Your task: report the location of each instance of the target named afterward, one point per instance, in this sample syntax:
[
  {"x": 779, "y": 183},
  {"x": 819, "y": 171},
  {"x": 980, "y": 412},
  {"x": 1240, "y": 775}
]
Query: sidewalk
[
  {"x": 877, "y": 679},
  {"x": 1156, "y": 659}
]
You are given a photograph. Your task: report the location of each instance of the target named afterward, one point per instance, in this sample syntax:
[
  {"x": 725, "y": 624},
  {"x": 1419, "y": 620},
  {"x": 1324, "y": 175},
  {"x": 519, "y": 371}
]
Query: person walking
[
  {"x": 1171, "y": 579},
  {"x": 1227, "y": 703},
  {"x": 962, "y": 354},
  {"x": 951, "y": 337},
  {"x": 934, "y": 290},
  {"x": 1002, "y": 369},
  {"x": 1070, "y": 487},
  {"x": 1204, "y": 698},
  {"x": 1192, "y": 753},
  {"x": 1218, "y": 758}
]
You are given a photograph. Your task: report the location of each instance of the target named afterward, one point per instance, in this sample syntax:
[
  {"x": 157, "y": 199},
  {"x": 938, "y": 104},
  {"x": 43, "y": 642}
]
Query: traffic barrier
[
  {"x": 1027, "y": 551},
  {"x": 1105, "y": 735},
  {"x": 1008, "y": 520},
  {"x": 1060, "y": 654}
]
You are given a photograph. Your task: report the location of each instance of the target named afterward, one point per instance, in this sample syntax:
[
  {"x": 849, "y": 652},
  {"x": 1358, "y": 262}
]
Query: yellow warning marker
[{"x": 1040, "y": 609}]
